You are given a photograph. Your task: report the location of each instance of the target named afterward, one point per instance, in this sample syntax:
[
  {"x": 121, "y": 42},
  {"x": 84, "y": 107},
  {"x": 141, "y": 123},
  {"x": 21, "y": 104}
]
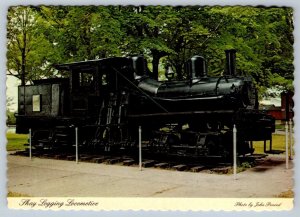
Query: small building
[{"x": 285, "y": 111}]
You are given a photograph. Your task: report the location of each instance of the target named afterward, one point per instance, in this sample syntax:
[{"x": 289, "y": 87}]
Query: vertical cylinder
[
  {"x": 30, "y": 145},
  {"x": 286, "y": 146},
  {"x": 140, "y": 148},
  {"x": 198, "y": 67},
  {"x": 234, "y": 151},
  {"x": 139, "y": 66},
  {"x": 76, "y": 143},
  {"x": 291, "y": 139}
]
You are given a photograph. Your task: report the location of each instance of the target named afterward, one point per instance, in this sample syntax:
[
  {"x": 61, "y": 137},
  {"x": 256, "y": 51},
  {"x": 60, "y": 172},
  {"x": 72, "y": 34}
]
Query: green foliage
[
  {"x": 10, "y": 118},
  {"x": 16, "y": 194},
  {"x": 262, "y": 36},
  {"x": 246, "y": 165},
  {"x": 28, "y": 49}
]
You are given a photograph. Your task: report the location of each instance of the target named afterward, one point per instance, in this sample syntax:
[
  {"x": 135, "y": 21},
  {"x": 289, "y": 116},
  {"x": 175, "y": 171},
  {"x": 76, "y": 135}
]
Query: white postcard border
[
  {"x": 7, "y": 205},
  {"x": 147, "y": 204}
]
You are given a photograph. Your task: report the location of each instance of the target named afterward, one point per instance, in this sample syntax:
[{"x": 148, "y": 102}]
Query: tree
[
  {"x": 263, "y": 39},
  {"x": 81, "y": 33},
  {"x": 186, "y": 36},
  {"x": 145, "y": 29},
  {"x": 27, "y": 47},
  {"x": 10, "y": 116},
  {"x": 41, "y": 36}
]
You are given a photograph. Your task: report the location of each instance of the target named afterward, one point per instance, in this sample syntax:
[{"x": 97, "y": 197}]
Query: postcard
[{"x": 150, "y": 107}]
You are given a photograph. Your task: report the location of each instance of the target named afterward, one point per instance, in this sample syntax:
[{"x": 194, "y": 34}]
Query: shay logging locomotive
[{"x": 108, "y": 99}]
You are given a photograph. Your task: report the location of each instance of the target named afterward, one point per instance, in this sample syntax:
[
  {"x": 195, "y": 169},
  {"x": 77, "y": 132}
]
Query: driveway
[{"x": 59, "y": 178}]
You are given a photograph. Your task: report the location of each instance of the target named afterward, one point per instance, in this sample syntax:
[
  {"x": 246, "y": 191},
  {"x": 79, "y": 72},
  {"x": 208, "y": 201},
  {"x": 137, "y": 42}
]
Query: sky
[{"x": 12, "y": 91}]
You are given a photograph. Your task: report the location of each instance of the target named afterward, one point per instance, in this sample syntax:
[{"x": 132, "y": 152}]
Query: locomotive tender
[{"x": 107, "y": 99}]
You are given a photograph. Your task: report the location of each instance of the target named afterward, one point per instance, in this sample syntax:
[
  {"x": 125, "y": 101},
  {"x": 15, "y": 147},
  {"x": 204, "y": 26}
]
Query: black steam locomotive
[{"x": 108, "y": 99}]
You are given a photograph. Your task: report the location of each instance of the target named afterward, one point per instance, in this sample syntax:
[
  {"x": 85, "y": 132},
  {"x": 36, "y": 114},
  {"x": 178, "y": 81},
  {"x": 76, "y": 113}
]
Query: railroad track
[{"x": 206, "y": 164}]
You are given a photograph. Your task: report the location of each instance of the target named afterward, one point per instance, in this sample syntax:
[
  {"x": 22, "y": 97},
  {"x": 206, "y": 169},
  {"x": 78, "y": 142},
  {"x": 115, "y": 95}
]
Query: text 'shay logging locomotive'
[{"x": 108, "y": 99}]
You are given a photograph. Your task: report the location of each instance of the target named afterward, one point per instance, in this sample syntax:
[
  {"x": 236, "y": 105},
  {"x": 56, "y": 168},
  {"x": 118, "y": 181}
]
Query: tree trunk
[
  {"x": 156, "y": 55},
  {"x": 23, "y": 82},
  {"x": 178, "y": 69},
  {"x": 155, "y": 63}
]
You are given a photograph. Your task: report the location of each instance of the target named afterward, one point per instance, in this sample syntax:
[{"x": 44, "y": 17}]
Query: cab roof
[{"x": 115, "y": 61}]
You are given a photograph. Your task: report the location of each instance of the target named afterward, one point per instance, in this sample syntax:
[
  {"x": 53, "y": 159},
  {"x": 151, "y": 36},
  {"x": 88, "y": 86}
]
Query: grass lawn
[
  {"x": 16, "y": 194},
  {"x": 286, "y": 194},
  {"x": 16, "y": 141},
  {"x": 277, "y": 144}
]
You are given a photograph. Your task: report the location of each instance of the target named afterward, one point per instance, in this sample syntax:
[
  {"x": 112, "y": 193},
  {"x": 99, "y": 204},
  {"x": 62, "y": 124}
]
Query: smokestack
[
  {"x": 139, "y": 66},
  {"x": 230, "y": 62}
]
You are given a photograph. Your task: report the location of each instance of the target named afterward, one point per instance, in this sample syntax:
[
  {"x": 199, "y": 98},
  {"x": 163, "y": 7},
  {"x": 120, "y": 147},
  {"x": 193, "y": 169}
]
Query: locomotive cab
[{"x": 92, "y": 82}]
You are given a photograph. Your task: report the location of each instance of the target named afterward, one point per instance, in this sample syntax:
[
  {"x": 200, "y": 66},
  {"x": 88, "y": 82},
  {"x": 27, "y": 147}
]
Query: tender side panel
[
  {"x": 35, "y": 100},
  {"x": 37, "y": 103}
]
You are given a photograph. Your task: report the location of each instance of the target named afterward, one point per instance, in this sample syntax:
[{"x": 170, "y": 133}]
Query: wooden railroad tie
[
  {"x": 71, "y": 157},
  {"x": 162, "y": 165},
  {"x": 148, "y": 163},
  {"x": 85, "y": 158},
  {"x": 180, "y": 167},
  {"x": 98, "y": 159},
  {"x": 128, "y": 162},
  {"x": 113, "y": 160},
  {"x": 223, "y": 170},
  {"x": 197, "y": 169}
]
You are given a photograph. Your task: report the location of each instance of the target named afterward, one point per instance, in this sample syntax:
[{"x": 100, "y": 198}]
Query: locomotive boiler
[{"x": 108, "y": 99}]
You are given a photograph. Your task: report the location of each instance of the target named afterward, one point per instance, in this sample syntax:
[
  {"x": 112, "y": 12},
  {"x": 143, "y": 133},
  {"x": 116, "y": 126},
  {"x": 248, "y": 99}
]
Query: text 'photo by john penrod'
[{"x": 150, "y": 102}]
